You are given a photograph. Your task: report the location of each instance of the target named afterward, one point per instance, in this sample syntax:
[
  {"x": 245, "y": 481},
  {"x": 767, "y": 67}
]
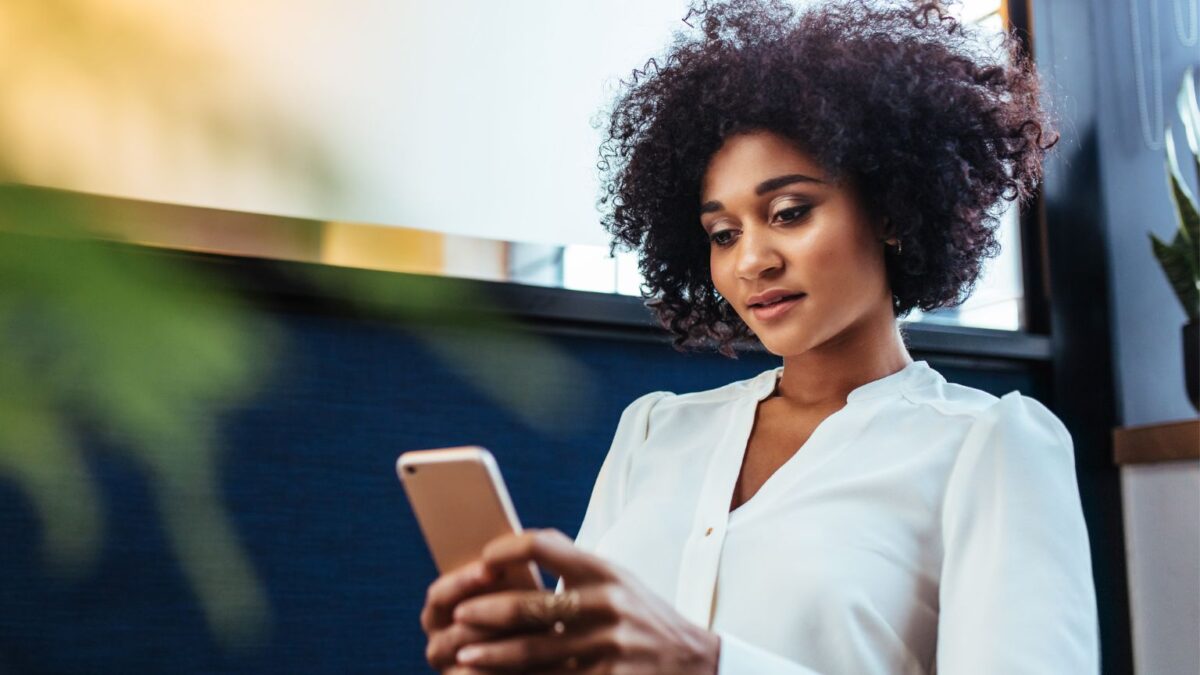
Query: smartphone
[{"x": 461, "y": 504}]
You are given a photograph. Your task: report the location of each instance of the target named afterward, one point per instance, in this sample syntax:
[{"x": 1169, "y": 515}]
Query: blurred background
[
  {"x": 468, "y": 127},
  {"x": 249, "y": 252}
]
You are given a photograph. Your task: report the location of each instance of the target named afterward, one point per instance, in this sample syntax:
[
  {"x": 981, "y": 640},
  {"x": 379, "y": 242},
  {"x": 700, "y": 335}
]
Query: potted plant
[{"x": 1180, "y": 259}]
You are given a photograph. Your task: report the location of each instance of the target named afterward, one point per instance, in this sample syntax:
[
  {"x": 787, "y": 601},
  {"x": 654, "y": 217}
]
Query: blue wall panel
[{"x": 307, "y": 477}]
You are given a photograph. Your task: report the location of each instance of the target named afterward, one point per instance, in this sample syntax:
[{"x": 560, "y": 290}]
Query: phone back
[{"x": 461, "y": 504}]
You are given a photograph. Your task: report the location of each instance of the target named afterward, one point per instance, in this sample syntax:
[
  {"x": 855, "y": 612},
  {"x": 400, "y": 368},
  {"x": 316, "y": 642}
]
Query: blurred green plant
[
  {"x": 1180, "y": 259},
  {"x": 134, "y": 349},
  {"x": 151, "y": 354},
  {"x": 144, "y": 354}
]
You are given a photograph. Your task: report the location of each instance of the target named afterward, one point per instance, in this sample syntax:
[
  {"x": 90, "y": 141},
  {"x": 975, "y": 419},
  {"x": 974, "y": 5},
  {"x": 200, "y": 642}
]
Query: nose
[{"x": 757, "y": 254}]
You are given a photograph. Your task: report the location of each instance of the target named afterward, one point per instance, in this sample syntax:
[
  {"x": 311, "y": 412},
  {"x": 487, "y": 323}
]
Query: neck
[{"x": 825, "y": 375}]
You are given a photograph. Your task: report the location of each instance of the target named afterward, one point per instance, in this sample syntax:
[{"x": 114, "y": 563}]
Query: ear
[{"x": 885, "y": 231}]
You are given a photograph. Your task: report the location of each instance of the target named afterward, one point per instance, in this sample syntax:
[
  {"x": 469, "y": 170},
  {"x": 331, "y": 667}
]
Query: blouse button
[{"x": 708, "y": 532}]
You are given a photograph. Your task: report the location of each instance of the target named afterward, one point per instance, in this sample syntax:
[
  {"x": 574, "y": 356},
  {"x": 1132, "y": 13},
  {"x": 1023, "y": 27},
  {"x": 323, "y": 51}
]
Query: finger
[
  {"x": 445, "y": 643},
  {"x": 601, "y": 667},
  {"x": 537, "y": 651},
  {"x": 465, "y": 670},
  {"x": 551, "y": 549},
  {"x": 532, "y": 609},
  {"x": 448, "y": 590}
]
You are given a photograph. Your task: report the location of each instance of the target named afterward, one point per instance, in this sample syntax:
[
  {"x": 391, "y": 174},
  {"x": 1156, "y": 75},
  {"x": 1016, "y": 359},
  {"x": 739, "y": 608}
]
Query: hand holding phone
[{"x": 461, "y": 505}]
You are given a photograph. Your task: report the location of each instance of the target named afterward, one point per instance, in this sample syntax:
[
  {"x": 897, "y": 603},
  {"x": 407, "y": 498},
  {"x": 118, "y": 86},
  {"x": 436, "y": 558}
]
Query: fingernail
[
  {"x": 469, "y": 654},
  {"x": 461, "y": 613}
]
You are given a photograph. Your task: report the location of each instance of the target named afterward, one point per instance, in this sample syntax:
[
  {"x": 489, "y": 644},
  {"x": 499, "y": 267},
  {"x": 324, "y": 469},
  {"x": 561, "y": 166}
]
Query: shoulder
[
  {"x": 1017, "y": 441},
  {"x": 1015, "y": 424},
  {"x": 950, "y": 400},
  {"x": 717, "y": 395},
  {"x": 722, "y": 394},
  {"x": 1018, "y": 417},
  {"x": 650, "y": 408},
  {"x": 981, "y": 408}
]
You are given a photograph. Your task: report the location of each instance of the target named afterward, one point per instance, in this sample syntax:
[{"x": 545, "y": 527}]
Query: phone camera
[{"x": 410, "y": 469}]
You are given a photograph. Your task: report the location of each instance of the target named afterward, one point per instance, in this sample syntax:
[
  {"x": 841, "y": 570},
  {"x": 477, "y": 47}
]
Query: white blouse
[{"x": 925, "y": 527}]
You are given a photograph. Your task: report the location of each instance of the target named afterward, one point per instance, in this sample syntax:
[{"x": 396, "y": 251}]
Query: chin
[
  {"x": 798, "y": 335},
  {"x": 784, "y": 340}
]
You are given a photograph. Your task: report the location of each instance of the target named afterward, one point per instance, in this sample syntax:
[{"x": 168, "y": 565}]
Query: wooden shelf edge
[{"x": 1164, "y": 442}]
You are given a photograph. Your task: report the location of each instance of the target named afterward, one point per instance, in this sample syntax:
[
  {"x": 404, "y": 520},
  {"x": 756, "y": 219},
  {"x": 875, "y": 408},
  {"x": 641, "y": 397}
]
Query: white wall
[{"x": 1161, "y": 504}]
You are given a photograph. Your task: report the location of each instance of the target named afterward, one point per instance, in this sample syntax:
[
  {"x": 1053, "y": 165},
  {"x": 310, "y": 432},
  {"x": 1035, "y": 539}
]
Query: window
[
  {"x": 995, "y": 303},
  {"x": 382, "y": 124}
]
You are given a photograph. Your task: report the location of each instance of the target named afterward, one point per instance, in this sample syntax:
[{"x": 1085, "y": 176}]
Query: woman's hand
[
  {"x": 604, "y": 622},
  {"x": 444, "y": 594}
]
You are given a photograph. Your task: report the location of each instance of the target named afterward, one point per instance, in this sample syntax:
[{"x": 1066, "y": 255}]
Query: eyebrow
[{"x": 769, "y": 185}]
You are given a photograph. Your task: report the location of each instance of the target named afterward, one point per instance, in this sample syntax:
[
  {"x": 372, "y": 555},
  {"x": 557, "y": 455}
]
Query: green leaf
[
  {"x": 1184, "y": 200},
  {"x": 1174, "y": 261},
  {"x": 1189, "y": 114}
]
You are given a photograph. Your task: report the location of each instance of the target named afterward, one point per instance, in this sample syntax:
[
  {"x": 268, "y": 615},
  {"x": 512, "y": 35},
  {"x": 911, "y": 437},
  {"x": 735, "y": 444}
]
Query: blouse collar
[{"x": 908, "y": 377}]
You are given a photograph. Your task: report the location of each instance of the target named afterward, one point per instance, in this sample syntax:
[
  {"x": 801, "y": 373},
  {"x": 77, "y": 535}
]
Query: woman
[{"x": 804, "y": 181}]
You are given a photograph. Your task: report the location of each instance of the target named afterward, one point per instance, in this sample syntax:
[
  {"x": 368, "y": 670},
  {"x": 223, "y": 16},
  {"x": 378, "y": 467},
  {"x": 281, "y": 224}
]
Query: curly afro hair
[{"x": 931, "y": 123}]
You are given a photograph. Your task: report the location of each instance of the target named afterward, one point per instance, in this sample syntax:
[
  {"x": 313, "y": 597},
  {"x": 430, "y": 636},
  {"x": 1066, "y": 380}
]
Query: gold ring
[{"x": 549, "y": 609}]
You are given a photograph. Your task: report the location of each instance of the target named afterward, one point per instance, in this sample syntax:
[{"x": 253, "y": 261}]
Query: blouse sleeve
[
  {"x": 608, "y": 493},
  {"x": 1016, "y": 592}
]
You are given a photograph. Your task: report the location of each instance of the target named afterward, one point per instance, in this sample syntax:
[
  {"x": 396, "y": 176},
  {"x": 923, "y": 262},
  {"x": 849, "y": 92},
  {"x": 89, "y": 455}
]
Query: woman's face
[{"x": 778, "y": 224}]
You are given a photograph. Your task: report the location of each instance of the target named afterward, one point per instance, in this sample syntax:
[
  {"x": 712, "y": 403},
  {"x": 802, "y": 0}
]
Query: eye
[
  {"x": 792, "y": 213},
  {"x": 720, "y": 239}
]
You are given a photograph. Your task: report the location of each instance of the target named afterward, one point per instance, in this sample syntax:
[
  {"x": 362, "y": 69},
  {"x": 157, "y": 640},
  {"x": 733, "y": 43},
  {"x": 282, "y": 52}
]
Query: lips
[
  {"x": 777, "y": 300},
  {"x": 773, "y": 309},
  {"x": 770, "y": 296}
]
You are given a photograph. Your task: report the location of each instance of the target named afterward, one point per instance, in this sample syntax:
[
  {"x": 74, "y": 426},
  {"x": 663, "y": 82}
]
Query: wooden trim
[{"x": 1166, "y": 442}]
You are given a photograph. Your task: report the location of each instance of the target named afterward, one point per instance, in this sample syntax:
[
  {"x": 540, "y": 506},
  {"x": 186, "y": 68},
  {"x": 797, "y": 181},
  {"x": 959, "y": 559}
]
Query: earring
[{"x": 898, "y": 244}]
